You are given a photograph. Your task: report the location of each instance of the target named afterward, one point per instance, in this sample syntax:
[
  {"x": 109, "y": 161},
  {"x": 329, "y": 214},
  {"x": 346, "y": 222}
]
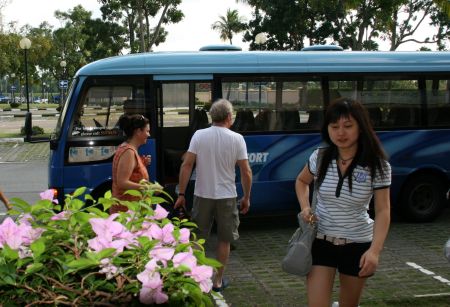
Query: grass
[
  {"x": 23, "y": 106},
  {"x": 18, "y": 135}
]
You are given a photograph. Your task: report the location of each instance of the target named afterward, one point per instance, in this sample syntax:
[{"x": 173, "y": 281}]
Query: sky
[{"x": 193, "y": 32}]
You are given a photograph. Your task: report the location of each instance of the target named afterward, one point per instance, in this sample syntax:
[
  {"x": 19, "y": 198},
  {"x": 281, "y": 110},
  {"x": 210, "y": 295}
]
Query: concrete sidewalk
[{"x": 16, "y": 150}]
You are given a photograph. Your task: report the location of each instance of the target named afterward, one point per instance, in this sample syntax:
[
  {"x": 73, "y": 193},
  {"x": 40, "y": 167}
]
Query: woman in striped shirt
[{"x": 353, "y": 168}]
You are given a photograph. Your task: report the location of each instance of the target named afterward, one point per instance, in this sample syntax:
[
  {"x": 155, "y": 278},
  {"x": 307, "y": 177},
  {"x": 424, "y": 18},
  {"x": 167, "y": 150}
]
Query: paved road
[{"x": 412, "y": 272}]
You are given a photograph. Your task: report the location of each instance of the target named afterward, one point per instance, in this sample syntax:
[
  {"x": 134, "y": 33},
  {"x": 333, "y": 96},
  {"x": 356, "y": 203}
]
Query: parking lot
[{"x": 412, "y": 272}]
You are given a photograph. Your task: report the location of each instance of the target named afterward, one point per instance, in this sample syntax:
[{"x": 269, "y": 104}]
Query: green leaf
[
  {"x": 157, "y": 200},
  {"x": 33, "y": 268},
  {"x": 133, "y": 193},
  {"x": 8, "y": 274},
  {"x": 81, "y": 264},
  {"x": 108, "y": 194},
  {"x": 76, "y": 204},
  {"x": 105, "y": 253},
  {"x": 38, "y": 247},
  {"x": 202, "y": 259},
  {"x": 23, "y": 205},
  {"x": 82, "y": 217},
  {"x": 9, "y": 253},
  {"x": 97, "y": 212},
  {"x": 78, "y": 192}
]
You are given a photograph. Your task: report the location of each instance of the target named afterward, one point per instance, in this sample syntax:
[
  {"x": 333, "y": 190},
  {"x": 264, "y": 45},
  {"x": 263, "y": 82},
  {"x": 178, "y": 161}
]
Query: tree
[
  {"x": 136, "y": 15},
  {"x": 229, "y": 24},
  {"x": 290, "y": 23},
  {"x": 406, "y": 20}
]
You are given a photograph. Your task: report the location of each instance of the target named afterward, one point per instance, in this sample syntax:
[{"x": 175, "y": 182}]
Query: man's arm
[
  {"x": 246, "y": 181},
  {"x": 185, "y": 174}
]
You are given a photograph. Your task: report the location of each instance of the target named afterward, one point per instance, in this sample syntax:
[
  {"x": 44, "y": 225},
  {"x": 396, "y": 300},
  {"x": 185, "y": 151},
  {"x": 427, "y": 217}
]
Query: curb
[{"x": 11, "y": 140}]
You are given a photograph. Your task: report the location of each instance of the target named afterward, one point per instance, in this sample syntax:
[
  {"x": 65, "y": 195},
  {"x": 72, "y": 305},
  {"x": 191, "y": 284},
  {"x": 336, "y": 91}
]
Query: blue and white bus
[{"x": 279, "y": 99}]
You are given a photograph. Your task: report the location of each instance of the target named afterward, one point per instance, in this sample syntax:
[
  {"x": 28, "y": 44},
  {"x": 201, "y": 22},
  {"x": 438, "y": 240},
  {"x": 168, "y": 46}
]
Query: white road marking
[
  {"x": 431, "y": 295},
  {"x": 430, "y": 273},
  {"x": 220, "y": 300}
]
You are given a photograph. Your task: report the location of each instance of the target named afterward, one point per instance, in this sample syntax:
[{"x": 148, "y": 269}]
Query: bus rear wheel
[{"x": 422, "y": 199}]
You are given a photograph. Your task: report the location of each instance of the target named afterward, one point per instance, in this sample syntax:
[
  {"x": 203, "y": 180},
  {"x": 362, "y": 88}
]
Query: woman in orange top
[{"x": 128, "y": 167}]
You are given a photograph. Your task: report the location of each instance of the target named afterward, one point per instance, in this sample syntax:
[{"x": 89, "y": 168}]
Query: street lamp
[
  {"x": 260, "y": 39},
  {"x": 63, "y": 65},
  {"x": 25, "y": 44},
  {"x": 13, "y": 87}
]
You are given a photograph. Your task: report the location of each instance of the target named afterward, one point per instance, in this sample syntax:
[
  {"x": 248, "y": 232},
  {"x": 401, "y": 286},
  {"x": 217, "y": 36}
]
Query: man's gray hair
[{"x": 220, "y": 110}]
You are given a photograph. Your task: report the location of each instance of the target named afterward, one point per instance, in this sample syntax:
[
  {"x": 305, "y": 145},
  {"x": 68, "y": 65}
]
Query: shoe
[{"x": 225, "y": 284}]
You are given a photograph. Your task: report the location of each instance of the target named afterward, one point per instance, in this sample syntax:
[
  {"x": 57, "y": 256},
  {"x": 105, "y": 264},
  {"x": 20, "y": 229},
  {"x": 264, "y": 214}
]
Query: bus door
[
  {"x": 182, "y": 104},
  {"x": 94, "y": 134}
]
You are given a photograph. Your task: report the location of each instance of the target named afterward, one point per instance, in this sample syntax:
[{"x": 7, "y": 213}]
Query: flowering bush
[{"x": 83, "y": 256}]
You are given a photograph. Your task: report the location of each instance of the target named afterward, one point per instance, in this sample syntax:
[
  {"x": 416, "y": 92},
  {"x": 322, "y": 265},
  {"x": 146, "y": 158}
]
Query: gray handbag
[{"x": 298, "y": 260}]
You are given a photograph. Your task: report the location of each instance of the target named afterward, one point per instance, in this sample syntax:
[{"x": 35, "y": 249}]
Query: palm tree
[{"x": 229, "y": 24}]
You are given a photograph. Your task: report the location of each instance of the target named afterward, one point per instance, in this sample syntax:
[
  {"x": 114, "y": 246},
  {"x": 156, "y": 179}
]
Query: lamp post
[
  {"x": 13, "y": 87},
  {"x": 63, "y": 65},
  {"x": 25, "y": 44}
]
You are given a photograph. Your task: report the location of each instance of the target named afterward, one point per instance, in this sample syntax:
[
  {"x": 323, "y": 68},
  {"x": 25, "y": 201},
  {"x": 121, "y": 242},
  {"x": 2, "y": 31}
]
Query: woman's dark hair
[
  {"x": 129, "y": 123},
  {"x": 370, "y": 152}
]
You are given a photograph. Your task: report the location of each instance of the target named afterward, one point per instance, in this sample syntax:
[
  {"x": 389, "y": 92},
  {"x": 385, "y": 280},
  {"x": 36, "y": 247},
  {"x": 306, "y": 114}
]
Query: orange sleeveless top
[{"x": 139, "y": 173}]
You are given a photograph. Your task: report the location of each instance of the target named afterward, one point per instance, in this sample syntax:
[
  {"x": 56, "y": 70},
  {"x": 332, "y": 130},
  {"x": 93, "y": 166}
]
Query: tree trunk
[{"x": 158, "y": 27}]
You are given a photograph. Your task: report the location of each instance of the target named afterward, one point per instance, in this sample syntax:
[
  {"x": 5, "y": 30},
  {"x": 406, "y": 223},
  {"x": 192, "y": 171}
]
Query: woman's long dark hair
[
  {"x": 129, "y": 123},
  {"x": 370, "y": 153}
]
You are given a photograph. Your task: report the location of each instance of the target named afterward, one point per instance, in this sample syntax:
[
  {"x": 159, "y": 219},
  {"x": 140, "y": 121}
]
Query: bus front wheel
[{"x": 423, "y": 198}]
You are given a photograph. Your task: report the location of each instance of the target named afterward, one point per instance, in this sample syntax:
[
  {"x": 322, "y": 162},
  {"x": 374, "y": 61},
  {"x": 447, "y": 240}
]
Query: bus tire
[
  {"x": 101, "y": 190},
  {"x": 422, "y": 199}
]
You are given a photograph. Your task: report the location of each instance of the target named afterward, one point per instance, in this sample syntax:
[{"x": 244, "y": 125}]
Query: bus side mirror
[{"x": 53, "y": 144}]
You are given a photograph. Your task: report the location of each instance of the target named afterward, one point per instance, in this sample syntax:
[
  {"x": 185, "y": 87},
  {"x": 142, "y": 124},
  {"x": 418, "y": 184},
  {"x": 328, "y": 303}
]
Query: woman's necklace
[{"x": 344, "y": 161}]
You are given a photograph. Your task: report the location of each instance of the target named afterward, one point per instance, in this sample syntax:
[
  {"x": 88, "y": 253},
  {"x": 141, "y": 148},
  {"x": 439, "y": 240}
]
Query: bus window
[
  {"x": 310, "y": 102},
  {"x": 438, "y": 102},
  {"x": 275, "y": 105},
  {"x": 101, "y": 107},
  {"x": 392, "y": 103}
]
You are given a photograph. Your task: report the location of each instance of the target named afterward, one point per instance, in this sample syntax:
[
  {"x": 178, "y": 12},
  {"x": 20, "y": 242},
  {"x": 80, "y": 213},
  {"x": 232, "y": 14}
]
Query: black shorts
[{"x": 345, "y": 258}]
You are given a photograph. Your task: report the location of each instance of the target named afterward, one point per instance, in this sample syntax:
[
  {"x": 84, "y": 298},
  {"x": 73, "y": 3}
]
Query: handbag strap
[{"x": 316, "y": 184}]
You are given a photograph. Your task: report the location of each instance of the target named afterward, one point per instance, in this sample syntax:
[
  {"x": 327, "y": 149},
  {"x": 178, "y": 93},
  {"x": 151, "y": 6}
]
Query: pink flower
[
  {"x": 206, "y": 285},
  {"x": 184, "y": 235},
  {"x": 10, "y": 234},
  {"x": 162, "y": 254},
  {"x": 49, "y": 195},
  {"x": 150, "y": 279},
  {"x": 167, "y": 234},
  {"x": 201, "y": 273},
  {"x": 152, "y": 296},
  {"x": 185, "y": 258},
  {"x": 63, "y": 215},
  {"x": 160, "y": 213},
  {"x": 107, "y": 228}
]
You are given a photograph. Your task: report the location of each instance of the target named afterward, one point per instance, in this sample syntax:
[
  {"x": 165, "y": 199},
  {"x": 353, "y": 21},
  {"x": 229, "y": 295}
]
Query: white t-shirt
[
  {"x": 346, "y": 216},
  {"x": 217, "y": 150}
]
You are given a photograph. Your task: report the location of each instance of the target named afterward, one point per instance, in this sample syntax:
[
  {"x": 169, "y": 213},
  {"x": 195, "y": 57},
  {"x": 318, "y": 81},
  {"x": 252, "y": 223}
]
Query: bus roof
[{"x": 249, "y": 62}]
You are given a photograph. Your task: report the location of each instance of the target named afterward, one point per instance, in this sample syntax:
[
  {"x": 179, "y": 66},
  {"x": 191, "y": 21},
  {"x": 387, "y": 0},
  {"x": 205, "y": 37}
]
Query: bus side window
[
  {"x": 101, "y": 106},
  {"x": 438, "y": 102}
]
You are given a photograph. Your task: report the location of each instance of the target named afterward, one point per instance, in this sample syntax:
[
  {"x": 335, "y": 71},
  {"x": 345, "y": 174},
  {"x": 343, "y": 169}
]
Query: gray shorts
[{"x": 223, "y": 211}]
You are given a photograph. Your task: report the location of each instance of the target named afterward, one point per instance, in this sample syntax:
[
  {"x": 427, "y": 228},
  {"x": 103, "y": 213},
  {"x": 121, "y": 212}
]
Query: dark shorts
[
  {"x": 224, "y": 211},
  {"x": 345, "y": 258}
]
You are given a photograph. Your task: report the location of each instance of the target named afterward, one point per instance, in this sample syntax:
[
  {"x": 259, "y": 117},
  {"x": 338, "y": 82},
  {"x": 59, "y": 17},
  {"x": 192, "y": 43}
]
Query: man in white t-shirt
[{"x": 216, "y": 151}]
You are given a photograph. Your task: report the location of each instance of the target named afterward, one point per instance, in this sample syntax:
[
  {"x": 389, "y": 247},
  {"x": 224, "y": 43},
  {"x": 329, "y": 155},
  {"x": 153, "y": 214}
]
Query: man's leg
[
  {"x": 227, "y": 218},
  {"x": 222, "y": 254}
]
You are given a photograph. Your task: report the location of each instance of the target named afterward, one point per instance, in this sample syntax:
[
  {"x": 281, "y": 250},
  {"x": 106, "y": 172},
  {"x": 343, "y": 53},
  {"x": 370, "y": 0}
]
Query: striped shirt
[{"x": 346, "y": 216}]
